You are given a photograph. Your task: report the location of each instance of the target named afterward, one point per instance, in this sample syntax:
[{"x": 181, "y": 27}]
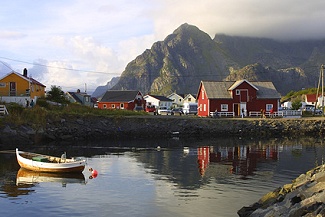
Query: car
[
  {"x": 151, "y": 109},
  {"x": 177, "y": 111},
  {"x": 164, "y": 111}
]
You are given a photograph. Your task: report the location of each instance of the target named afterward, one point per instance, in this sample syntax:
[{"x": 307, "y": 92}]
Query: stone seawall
[{"x": 73, "y": 127}]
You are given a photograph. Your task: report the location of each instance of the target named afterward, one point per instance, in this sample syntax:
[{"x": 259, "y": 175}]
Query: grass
[{"x": 38, "y": 115}]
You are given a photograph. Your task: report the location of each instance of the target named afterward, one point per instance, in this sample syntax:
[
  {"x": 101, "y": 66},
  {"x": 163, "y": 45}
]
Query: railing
[
  {"x": 285, "y": 113},
  {"x": 3, "y": 110},
  {"x": 222, "y": 114},
  {"x": 267, "y": 114}
]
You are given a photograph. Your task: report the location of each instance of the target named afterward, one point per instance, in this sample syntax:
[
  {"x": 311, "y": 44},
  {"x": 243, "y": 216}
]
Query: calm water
[{"x": 210, "y": 178}]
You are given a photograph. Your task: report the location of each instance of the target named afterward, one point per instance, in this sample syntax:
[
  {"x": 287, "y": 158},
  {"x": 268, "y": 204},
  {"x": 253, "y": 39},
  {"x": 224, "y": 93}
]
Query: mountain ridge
[{"x": 189, "y": 55}]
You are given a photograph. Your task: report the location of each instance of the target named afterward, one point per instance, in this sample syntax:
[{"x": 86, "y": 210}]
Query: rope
[{"x": 8, "y": 152}]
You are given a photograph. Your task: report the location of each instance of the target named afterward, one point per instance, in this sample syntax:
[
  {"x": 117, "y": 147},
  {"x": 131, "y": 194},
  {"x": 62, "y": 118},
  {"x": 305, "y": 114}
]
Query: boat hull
[{"x": 69, "y": 167}]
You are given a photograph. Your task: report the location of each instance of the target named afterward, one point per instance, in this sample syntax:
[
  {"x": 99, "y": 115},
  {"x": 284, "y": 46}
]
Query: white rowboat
[{"x": 45, "y": 163}]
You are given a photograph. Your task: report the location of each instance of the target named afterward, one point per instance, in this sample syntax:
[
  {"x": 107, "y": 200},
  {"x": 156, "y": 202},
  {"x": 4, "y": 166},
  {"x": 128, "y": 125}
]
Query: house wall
[
  {"x": 203, "y": 103},
  {"x": 151, "y": 101},
  {"x": 122, "y": 105},
  {"x": 189, "y": 99},
  {"x": 177, "y": 99}
]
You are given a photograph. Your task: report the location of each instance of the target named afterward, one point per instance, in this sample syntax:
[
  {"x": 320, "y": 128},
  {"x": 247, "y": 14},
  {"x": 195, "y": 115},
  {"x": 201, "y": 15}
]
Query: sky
[{"x": 80, "y": 44}]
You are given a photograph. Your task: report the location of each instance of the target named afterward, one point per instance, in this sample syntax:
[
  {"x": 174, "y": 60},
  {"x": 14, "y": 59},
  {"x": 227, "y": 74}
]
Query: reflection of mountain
[{"x": 27, "y": 177}]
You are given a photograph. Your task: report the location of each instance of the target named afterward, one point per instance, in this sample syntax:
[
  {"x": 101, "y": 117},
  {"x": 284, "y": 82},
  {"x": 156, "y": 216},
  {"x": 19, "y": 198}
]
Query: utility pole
[{"x": 322, "y": 72}]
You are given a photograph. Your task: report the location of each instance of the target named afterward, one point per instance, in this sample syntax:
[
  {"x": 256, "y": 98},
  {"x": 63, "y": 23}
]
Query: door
[
  {"x": 243, "y": 109},
  {"x": 12, "y": 88}
]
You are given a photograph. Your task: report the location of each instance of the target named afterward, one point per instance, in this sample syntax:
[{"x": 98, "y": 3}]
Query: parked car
[
  {"x": 164, "y": 111},
  {"x": 177, "y": 111},
  {"x": 151, "y": 109}
]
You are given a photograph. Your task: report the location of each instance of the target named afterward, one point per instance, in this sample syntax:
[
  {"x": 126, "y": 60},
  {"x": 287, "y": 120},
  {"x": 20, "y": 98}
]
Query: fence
[
  {"x": 222, "y": 114},
  {"x": 3, "y": 110},
  {"x": 285, "y": 113}
]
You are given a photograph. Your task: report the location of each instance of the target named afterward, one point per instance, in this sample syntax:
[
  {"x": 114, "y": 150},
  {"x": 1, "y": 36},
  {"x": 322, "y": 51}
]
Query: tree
[
  {"x": 296, "y": 104},
  {"x": 56, "y": 95}
]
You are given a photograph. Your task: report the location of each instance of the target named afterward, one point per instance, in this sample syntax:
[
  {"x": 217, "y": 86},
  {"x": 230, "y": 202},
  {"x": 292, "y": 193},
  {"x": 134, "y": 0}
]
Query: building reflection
[{"x": 242, "y": 159}]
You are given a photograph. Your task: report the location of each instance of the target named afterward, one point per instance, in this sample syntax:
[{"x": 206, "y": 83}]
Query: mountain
[
  {"x": 100, "y": 90},
  {"x": 189, "y": 55}
]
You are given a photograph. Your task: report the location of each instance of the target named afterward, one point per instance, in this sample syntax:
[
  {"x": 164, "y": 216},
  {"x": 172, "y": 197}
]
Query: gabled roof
[
  {"x": 77, "y": 96},
  {"x": 220, "y": 89},
  {"x": 161, "y": 98},
  {"x": 237, "y": 83},
  {"x": 120, "y": 95},
  {"x": 29, "y": 79},
  {"x": 173, "y": 94}
]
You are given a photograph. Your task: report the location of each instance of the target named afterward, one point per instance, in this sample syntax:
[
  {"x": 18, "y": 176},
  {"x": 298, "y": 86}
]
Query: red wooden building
[
  {"x": 122, "y": 99},
  {"x": 242, "y": 95}
]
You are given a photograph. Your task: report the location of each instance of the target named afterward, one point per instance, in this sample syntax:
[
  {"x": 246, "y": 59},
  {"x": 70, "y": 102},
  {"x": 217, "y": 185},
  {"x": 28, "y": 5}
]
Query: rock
[{"x": 304, "y": 197}]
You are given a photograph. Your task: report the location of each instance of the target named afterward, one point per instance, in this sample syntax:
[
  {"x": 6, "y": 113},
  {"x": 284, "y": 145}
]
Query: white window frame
[
  {"x": 113, "y": 106},
  {"x": 122, "y": 106},
  {"x": 268, "y": 107},
  {"x": 202, "y": 94},
  {"x": 224, "y": 107},
  {"x": 237, "y": 92}
]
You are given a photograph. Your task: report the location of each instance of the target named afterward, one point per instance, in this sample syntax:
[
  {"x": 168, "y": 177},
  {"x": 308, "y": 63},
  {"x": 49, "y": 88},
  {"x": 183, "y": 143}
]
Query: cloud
[
  {"x": 273, "y": 19},
  {"x": 11, "y": 35},
  {"x": 82, "y": 42}
]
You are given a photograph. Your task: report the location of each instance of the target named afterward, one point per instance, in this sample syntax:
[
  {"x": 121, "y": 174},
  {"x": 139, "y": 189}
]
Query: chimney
[{"x": 25, "y": 72}]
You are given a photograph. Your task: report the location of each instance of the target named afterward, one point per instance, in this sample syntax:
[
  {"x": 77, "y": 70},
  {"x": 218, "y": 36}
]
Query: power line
[
  {"x": 5, "y": 64},
  {"x": 55, "y": 67}
]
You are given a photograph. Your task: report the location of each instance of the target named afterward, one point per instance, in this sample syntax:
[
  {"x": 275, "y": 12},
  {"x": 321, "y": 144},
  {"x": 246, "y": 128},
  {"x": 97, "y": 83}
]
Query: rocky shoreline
[
  {"x": 81, "y": 128},
  {"x": 305, "y": 196}
]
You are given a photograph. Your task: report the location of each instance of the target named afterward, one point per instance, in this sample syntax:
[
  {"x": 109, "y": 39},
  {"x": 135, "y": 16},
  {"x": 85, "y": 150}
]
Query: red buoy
[{"x": 94, "y": 173}]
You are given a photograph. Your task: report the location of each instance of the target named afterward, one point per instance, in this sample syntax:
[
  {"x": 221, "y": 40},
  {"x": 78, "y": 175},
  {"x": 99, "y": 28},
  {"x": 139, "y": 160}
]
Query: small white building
[
  {"x": 158, "y": 101},
  {"x": 178, "y": 99}
]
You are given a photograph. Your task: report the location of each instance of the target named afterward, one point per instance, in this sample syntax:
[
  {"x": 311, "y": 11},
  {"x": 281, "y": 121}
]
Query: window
[
  {"x": 122, "y": 106},
  {"x": 237, "y": 92},
  {"x": 224, "y": 107},
  {"x": 204, "y": 107},
  {"x": 189, "y": 99},
  {"x": 113, "y": 106},
  {"x": 87, "y": 98},
  {"x": 268, "y": 107},
  {"x": 202, "y": 94},
  {"x": 105, "y": 106}
]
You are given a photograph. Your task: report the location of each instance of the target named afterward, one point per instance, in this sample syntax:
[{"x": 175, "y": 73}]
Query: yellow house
[{"x": 14, "y": 84}]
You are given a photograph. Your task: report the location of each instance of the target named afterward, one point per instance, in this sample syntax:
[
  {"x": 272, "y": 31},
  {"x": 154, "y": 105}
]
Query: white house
[
  {"x": 178, "y": 99},
  {"x": 190, "y": 98},
  {"x": 158, "y": 101}
]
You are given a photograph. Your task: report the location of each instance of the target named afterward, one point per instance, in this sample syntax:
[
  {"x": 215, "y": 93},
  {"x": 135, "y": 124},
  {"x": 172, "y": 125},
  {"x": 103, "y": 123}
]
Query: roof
[
  {"x": 29, "y": 79},
  {"x": 77, "y": 96},
  {"x": 220, "y": 89},
  {"x": 119, "y": 95},
  {"x": 161, "y": 98},
  {"x": 311, "y": 97},
  {"x": 237, "y": 83}
]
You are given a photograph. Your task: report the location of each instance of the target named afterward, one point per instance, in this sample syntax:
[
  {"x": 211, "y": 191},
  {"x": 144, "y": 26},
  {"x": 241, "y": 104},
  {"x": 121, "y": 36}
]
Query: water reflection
[
  {"x": 181, "y": 178},
  {"x": 30, "y": 178}
]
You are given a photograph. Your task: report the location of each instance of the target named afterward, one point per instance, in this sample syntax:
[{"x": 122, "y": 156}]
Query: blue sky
[{"x": 70, "y": 43}]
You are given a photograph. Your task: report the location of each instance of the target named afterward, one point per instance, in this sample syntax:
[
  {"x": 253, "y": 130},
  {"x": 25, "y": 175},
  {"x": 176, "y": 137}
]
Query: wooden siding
[{"x": 21, "y": 85}]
